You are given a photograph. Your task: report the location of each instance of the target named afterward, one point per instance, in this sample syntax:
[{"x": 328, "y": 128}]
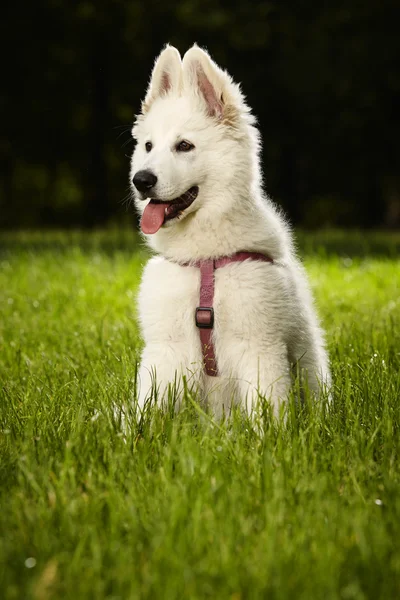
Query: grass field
[{"x": 187, "y": 508}]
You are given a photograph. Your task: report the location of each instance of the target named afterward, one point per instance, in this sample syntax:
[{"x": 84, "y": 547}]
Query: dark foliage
[{"x": 323, "y": 79}]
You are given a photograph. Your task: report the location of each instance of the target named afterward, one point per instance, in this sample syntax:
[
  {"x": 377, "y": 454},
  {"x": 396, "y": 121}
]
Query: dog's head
[{"x": 195, "y": 140}]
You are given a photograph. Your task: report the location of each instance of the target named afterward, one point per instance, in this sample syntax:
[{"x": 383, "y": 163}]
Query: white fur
[{"x": 265, "y": 318}]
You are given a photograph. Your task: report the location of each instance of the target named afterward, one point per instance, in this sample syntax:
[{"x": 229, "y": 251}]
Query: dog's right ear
[{"x": 166, "y": 76}]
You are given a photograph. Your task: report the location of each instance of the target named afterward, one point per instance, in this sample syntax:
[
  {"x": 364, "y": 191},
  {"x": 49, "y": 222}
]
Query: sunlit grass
[{"x": 186, "y": 508}]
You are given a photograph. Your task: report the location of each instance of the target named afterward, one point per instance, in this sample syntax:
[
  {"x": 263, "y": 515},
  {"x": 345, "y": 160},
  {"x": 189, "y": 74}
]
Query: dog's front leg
[
  {"x": 161, "y": 374},
  {"x": 264, "y": 376}
]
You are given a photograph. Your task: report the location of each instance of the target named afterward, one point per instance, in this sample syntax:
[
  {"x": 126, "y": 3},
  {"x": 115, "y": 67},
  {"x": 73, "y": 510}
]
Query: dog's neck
[{"x": 252, "y": 225}]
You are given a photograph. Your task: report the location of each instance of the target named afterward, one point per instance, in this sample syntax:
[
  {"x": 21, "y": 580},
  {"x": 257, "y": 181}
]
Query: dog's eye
[
  {"x": 184, "y": 146},
  {"x": 148, "y": 146}
]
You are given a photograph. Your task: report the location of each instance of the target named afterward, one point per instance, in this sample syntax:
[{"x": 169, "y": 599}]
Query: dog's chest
[{"x": 170, "y": 293}]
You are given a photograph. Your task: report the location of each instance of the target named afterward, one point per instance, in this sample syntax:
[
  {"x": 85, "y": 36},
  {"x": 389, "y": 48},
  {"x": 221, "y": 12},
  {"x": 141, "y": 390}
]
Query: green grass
[{"x": 186, "y": 508}]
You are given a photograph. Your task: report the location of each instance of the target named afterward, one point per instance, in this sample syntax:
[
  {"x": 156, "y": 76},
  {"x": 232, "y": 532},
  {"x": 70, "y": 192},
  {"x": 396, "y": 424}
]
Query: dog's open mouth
[{"x": 157, "y": 212}]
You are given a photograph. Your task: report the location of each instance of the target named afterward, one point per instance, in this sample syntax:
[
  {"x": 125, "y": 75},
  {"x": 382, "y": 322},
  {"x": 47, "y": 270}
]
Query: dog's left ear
[
  {"x": 221, "y": 97},
  {"x": 203, "y": 76}
]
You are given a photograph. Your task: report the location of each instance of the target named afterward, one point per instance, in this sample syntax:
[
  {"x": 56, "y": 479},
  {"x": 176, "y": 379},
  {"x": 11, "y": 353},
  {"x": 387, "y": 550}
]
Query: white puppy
[{"x": 197, "y": 184}]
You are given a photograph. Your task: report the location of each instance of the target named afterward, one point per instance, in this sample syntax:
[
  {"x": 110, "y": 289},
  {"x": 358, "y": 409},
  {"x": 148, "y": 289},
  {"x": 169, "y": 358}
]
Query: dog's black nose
[{"x": 144, "y": 181}]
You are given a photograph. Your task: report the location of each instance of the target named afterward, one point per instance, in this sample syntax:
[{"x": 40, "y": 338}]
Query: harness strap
[
  {"x": 205, "y": 312},
  {"x": 205, "y": 315}
]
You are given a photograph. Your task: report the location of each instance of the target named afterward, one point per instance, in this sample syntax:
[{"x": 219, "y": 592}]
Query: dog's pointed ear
[
  {"x": 166, "y": 76},
  {"x": 203, "y": 76}
]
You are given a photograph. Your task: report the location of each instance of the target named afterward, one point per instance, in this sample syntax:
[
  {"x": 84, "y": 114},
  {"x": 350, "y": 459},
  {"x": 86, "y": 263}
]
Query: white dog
[{"x": 197, "y": 185}]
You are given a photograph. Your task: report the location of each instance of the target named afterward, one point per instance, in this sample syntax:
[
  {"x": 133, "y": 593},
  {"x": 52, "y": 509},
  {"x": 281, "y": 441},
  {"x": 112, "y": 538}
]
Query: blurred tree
[{"x": 323, "y": 80}]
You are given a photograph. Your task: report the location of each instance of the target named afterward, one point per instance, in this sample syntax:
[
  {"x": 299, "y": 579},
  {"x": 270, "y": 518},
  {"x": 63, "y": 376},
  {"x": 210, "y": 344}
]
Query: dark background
[{"x": 322, "y": 78}]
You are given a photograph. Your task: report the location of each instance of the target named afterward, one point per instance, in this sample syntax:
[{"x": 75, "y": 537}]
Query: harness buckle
[{"x": 204, "y": 317}]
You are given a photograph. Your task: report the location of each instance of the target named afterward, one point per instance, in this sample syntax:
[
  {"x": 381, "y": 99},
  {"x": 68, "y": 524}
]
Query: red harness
[{"x": 205, "y": 312}]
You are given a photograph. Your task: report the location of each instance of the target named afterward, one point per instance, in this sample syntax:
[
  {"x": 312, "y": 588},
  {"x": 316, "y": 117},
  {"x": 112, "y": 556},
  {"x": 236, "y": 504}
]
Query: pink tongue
[{"x": 153, "y": 216}]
